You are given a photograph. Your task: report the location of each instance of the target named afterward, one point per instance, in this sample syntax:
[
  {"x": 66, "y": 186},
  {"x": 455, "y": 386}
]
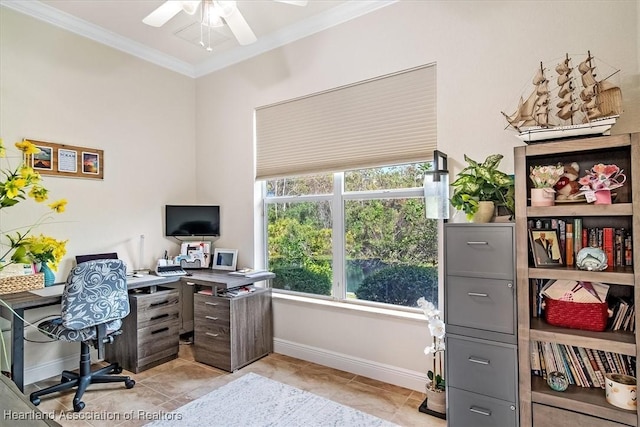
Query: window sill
[{"x": 342, "y": 305}]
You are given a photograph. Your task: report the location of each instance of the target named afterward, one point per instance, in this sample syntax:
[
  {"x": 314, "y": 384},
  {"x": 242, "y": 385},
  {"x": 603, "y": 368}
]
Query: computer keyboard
[{"x": 170, "y": 270}]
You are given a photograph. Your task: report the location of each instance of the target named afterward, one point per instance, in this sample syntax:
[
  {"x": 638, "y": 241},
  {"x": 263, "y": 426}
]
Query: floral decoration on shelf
[
  {"x": 602, "y": 177},
  {"x": 17, "y": 246},
  {"x": 436, "y": 349},
  {"x": 546, "y": 176}
]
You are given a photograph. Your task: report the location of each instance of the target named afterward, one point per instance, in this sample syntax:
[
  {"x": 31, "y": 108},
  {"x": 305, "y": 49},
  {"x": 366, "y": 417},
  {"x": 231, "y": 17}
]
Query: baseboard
[
  {"x": 49, "y": 369},
  {"x": 390, "y": 374}
]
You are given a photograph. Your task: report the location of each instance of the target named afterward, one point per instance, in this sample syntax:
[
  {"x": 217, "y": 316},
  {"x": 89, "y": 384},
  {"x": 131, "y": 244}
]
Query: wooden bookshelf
[{"x": 576, "y": 403}]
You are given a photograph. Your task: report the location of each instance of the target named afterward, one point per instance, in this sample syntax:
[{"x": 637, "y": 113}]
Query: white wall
[
  {"x": 485, "y": 53},
  {"x": 59, "y": 87},
  {"x": 171, "y": 139}
]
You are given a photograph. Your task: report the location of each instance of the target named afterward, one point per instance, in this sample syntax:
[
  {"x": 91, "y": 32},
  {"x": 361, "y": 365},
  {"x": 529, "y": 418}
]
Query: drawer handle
[
  {"x": 211, "y": 334},
  {"x": 210, "y": 303},
  {"x": 477, "y": 243},
  {"x": 159, "y": 316},
  {"x": 480, "y": 411},
  {"x": 157, "y": 304},
  {"x": 479, "y": 361},
  {"x": 211, "y": 317},
  {"x": 191, "y": 283},
  {"x": 160, "y": 330},
  {"x": 477, "y": 294}
]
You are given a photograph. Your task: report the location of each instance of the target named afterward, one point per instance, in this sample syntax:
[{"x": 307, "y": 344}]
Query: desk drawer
[
  {"x": 213, "y": 347},
  {"x": 471, "y": 409},
  {"x": 487, "y": 304},
  {"x": 479, "y": 251},
  {"x": 215, "y": 308},
  {"x": 156, "y": 307},
  {"x": 482, "y": 367},
  {"x": 158, "y": 342}
]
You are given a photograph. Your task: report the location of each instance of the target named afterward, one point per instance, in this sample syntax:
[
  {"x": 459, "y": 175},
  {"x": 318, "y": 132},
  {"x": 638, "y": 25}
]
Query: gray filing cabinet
[{"x": 480, "y": 297}]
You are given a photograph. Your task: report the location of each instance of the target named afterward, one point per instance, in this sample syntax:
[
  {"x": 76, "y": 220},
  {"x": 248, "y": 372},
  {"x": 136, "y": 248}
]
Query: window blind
[{"x": 382, "y": 121}]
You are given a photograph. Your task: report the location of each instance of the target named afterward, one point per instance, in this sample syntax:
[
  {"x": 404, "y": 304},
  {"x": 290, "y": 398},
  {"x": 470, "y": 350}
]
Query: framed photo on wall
[
  {"x": 67, "y": 160},
  {"x": 545, "y": 247},
  {"x": 43, "y": 161}
]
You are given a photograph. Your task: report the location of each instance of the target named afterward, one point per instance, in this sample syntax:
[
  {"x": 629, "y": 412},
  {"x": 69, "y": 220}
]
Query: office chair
[{"x": 94, "y": 302}]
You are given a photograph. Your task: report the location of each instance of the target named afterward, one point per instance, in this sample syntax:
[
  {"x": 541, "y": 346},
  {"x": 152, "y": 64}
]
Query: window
[{"x": 359, "y": 235}]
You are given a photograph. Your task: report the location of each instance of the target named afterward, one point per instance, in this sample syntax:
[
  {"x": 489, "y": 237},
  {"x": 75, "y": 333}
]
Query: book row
[
  {"x": 573, "y": 236},
  {"x": 621, "y": 309},
  {"x": 583, "y": 367}
]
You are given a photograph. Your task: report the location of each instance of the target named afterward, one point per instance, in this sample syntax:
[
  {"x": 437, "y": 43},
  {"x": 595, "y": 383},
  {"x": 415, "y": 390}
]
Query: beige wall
[
  {"x": 56, "y": 86},
  {"x": 170, "y": 139}
]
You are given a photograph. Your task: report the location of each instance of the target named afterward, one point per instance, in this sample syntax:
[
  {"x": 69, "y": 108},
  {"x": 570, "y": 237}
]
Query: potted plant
[
  {"x": 435, "y": 388},
  {"x": 483, "y": 182},
  {"x": 544, "y": 177}
]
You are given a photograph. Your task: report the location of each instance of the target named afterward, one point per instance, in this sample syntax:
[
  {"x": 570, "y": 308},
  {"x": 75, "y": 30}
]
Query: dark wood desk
[{"x": 19, "y": 302}]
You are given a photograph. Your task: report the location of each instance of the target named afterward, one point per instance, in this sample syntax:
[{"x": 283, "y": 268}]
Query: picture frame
[
  {"x": 42, "y": 161},
  {"x": 545, "y": 247},
  {"x": 225, "y": 259},
  {"x": 67, "y": 161}
]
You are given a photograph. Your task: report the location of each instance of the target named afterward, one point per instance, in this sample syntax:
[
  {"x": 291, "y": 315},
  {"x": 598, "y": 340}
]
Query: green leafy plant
[{"x": 482, "y": 182}]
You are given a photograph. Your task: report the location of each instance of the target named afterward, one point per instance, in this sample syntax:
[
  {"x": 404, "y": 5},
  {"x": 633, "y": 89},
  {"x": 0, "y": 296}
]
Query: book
[
  {"x": 591, "y": 373},
  {"x": 535, "y": 359},
  {"x": 608, "y": 245},
  {"x": 571, "y": 373},
  {"x": 597, "y": 368},
  {"x": 581, "y": 367},
  {"x": 569, "y": 244},
  {"x": 603, "y": 358},
  {"x": 577, "y": 236}
]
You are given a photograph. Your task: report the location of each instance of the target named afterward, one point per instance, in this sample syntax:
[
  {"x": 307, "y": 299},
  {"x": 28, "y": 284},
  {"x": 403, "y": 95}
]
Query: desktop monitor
[{"x": 192, "y": 220}]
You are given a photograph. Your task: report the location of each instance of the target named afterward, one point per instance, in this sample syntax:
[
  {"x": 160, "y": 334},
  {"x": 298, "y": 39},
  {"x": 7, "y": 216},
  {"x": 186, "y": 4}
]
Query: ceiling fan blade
[
  {"x": 239, "y": 27},
  {"x": 163, "y": 14},
  {"x": 293, "y": 2}
]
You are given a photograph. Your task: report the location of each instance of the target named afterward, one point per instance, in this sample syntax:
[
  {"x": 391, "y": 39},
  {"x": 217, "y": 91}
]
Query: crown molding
[{"x": 342, "y": 13}]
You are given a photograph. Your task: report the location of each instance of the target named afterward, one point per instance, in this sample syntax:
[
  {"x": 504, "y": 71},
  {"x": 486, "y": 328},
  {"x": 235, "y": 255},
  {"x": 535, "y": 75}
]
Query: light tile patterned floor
[{"x": 173, "y": 384}]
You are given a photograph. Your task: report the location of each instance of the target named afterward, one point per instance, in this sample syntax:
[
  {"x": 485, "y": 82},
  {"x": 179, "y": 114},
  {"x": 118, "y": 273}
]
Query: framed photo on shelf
[
  {"x": 225, "y": 259},
  {"x": 545, "y": 247}
]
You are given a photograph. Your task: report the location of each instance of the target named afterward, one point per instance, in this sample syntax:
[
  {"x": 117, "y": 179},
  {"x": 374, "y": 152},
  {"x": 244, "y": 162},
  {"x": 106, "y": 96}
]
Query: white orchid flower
[
  {"x": 430, "y": 350},
  {"x": 436, "y": 327},
  {"x": 430, "y": 310}
]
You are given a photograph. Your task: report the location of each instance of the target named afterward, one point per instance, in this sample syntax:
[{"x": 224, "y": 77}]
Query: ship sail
[{"x": 576, "y": 102}]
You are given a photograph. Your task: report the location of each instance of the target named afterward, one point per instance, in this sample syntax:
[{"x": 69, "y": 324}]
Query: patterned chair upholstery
[{"x": 94, "y": 302}]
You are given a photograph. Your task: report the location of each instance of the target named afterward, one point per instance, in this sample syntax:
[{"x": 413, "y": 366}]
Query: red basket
[{"x": 576, "y": 315}]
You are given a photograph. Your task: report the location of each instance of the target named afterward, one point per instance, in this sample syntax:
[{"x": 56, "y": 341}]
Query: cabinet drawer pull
[
  {"x": 477, "y": 294},
  {"x": 211, "y": 317},
  {"x": 160, "y": 330},
  {"x": 210, "y": 303},
  {"x": 473, "y": 359},
  {"x": 480, "y": 411},
  {"x": 191, "y": 283},
  {"x": 211, "y": 334},
  {"x": 157, "y": 304},
  {"x": 159, "y": 316},
  {"x": 477, "y": 243}
]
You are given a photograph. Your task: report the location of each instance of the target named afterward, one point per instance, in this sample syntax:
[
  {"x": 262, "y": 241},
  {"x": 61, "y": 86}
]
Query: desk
[
  {"x": 22, "y": 301},
  {"x": 17, "y": 404}
]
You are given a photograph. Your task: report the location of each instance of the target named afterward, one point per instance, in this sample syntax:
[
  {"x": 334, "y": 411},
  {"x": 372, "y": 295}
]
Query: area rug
[{"x": 256, "y": 401}]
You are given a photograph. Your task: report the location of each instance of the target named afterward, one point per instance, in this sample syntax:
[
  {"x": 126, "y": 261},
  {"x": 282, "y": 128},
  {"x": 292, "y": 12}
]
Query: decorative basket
[
  {"x": 576, "y": 315},
  {"x": 10, "y": 285}
]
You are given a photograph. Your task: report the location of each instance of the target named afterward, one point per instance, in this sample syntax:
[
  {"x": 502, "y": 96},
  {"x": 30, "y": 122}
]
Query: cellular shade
[{"x": 382, "y": 121}]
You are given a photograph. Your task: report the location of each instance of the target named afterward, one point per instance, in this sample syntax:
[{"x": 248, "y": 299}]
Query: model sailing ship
[{"x": 566, "y": 110}]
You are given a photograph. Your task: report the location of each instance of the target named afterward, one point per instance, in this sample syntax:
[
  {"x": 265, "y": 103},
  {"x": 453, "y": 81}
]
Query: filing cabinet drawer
[
  {"x": 160, "y": 306},
  {"x": 477, "y": 303},
  {"x": 212, "y": 308},
  {"x": 548, "y": 416},
  {"x": 213, "y": 350},
  {"x": 483, "y": 367},
  {"x": 471, "y": 409},
  {"x": 479, "y": 251}
]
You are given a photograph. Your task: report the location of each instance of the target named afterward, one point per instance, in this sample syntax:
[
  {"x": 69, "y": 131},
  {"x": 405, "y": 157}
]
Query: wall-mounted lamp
[{"x": 436, "y": 188}]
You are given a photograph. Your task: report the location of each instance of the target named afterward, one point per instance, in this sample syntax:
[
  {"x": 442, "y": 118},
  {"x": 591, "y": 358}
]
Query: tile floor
[{"x": 173, "y": 384}]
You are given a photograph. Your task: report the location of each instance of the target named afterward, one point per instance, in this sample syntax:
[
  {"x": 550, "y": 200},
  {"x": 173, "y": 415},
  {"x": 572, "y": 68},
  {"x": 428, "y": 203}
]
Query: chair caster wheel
[
  {"x": 129, "y": 383},
  {"x": 35, "y": 401},
  {"x": 117, "y": 370},
  {"x": 77, "y": 407}
]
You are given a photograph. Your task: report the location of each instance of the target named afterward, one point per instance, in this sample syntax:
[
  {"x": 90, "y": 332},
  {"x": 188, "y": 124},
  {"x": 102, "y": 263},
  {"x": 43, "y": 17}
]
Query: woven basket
[
  {"x": 576, "y": 315},
  {"x": 10, "y": 285}
]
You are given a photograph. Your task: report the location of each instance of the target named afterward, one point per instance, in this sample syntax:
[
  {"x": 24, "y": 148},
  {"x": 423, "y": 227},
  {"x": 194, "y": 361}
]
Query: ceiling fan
[{"x": 212, "y": 14}]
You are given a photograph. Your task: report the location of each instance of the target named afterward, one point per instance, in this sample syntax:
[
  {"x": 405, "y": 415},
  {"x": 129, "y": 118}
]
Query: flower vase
[
  {"x": 542, "y": 197},
  {"x": 49, "y": 276},
  {"x": 603, "y": 197},
  {"x": 436, "y": 400}
]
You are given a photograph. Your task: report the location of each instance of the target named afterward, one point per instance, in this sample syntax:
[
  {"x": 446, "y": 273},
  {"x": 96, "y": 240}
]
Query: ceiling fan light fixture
[{"x": 191, "y": 6}]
